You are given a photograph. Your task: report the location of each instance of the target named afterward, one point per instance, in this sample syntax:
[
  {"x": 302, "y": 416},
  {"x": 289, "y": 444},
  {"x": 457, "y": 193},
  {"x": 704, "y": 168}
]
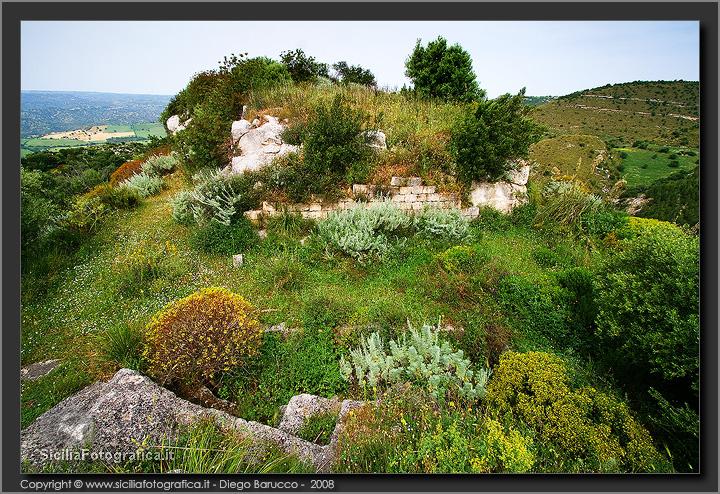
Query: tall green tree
[
  {"x": 442, "y": 71},
  {"x": 490, "y": 135},
  {"x": 347, "y": 74},
  {"x": 302, "y": 67}
]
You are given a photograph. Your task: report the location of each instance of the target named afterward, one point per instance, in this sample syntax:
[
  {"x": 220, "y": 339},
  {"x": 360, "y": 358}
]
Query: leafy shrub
[
  {"x": 602, "y": 220},
  {"x": 85, "y": 214},
  {"x": 158, "y": 165},
  {"x": 446, "y": 224},
  {"x": 418, "y": 357},
  {"x": 590, "y": 430},
  {"x": 333, "y": 139},
  {"x": 506, "y": 451},
  {"x": 486, "y": 138},
  {"x": 364, "y": 233},
  {"x": 353, "y": 74},
  {"x": 674, "y": 198},
  {"x": 37, "y": 211},
  {"x": 217, "y": 238},
  {"x": 679, "y": 428},
  {"x": 462, "y": 258},
  {"x": 125, "y": 171},
  {"x": 319, "y": 427},
  {"x": 323, "y": 313},
  {"x": 648, "y": 307},
  {"x": 303, "y": 68},
  {"x": 120, "y": 197},
  {"x": 304, "y": 362},
  {"x": 195, "y": 338},
  {"x": 181, "y": 204},
  {"x": 408, "y": 432},
  {"x": 579, "y": 297},
  {"x": 439, "y": 71},
  {"x": 218, "y": 197},
  {"x": 534, "y": 308},
  {"x": 144, "y": 184}
]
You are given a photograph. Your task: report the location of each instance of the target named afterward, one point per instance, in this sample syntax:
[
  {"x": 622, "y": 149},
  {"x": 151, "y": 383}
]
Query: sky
[{"x": 546, "y": 57}]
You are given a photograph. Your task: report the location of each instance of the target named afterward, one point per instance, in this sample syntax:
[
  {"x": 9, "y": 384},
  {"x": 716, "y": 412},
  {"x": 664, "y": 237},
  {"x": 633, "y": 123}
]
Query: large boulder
[
  {"x": 257, "y": 143},
  {"x": 174, "y": 126},
  {"x": 375, "y": 139},
  {"x": 115, "y": 417}
]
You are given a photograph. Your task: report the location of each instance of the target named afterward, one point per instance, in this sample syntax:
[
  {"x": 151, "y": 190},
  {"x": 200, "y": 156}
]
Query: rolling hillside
[{"x": 661, "y": 112}]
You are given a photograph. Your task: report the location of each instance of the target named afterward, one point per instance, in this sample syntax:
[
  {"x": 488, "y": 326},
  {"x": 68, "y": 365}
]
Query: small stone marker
[
  {"x": 38, "y": 370},
  {"x": 237, "y": 260}
]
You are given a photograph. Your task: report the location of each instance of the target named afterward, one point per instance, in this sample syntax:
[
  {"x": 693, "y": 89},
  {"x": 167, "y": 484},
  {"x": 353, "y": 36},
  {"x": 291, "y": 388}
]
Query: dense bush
[
  {"x": 582, "y": 430},
  {"x": 195, "y": 338},
  {"x": 408, "y": 432},
  {"x": 462, "y": 258},
  {"x": 158, "y": 165},
  {"x": 333, "y": 140},
  {"x": 217, "y": 197},
  {"x": 445, "y": 224},
  {"x": 37, "y": 211},
  {"x": 213, "y": 99},
  {"x": 120, "y": 197},
  {"x": 353, "y": 74},
  {"x": 489, "y": 135},
  {"x": 217, "y": 238},
  {"x": 439, "y": 71},
  {"x": 648, "y": 308},
  {"x": 418, "y": 357},
  {"x": 303, "y": 68},
  {"x": 305, "y": 362},
  {"x": 674, "y": 198},
  {"x": 364, "y": 233},
  {"x": 144, "y": 184},
  {"x": 125, "y": 171}
]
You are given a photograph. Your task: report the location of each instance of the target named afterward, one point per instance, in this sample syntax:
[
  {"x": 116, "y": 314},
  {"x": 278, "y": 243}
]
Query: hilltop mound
[{"x": 661, "y": 112}]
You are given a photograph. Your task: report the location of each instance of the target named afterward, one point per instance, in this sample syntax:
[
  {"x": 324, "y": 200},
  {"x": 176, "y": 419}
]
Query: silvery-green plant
[
  {"x": 448, "y": 224},
  {"x": 419, "y": 357},
  {"x": 182, "y": 207},
  {"x": 159, "y": 164},
  {"x": 213, "y": 198},
  {"x": 144, "y": 184},
  {"x": 364, "y": 232}
]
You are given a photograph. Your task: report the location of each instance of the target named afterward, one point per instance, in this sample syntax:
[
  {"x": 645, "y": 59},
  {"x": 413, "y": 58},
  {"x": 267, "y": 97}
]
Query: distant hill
[
  {"x": 43, "y": 112},
  {"x": 538, "y": 100},
  {"x": 660, "y": 112}
]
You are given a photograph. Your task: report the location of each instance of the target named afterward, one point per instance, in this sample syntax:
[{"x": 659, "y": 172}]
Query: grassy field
[
  {"x": 643, "y": 166},
  {"x": 287, "y": 281},
  {"x": 141, "y": 130}
]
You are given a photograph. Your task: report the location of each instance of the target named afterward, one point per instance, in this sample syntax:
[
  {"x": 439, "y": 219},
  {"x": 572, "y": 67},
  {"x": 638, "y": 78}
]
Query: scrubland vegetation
[{"x": 563, "y": 337}]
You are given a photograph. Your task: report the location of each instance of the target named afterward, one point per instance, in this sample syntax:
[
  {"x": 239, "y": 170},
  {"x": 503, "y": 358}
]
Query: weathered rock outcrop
[
  {"x": 117, "y": 416},
  {"x": 258, "y": 143},
  {"x": 174, "y": 126},
  {"x": 503, "y": 195}
]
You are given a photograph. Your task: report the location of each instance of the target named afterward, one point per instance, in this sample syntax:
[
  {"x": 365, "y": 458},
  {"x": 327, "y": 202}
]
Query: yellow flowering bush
[
  {"x": 505, "y": 451},
  {"x": 194, "y": 338},
  {"x": 585, "y": 424}
]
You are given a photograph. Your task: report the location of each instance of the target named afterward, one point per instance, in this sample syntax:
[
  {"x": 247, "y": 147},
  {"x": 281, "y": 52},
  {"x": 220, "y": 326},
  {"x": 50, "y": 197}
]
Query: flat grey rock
[{"x": 38, "y": 370}]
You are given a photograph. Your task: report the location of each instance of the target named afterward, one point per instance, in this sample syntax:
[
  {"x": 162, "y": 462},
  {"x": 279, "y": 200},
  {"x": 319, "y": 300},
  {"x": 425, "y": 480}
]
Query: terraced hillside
[{"x": 661, "y": 112}]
